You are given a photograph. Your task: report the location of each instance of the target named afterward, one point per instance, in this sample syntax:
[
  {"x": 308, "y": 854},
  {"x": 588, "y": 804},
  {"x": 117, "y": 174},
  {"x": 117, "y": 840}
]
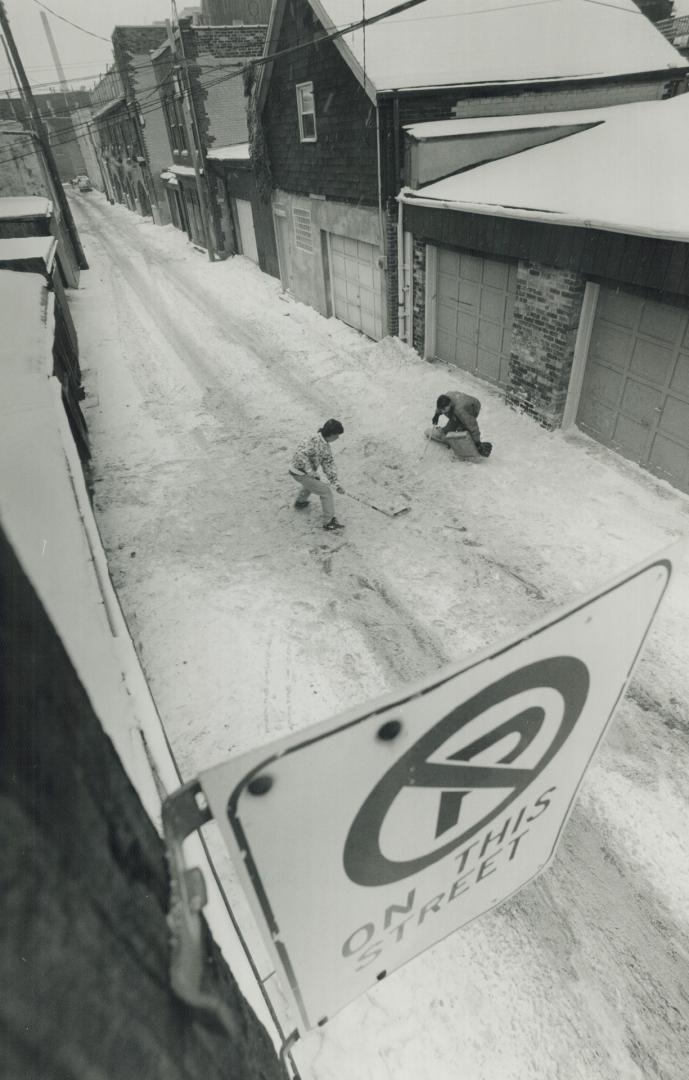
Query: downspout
[
  {"x": 382, "y": 244},
  {"x": 401, "y": 298}
]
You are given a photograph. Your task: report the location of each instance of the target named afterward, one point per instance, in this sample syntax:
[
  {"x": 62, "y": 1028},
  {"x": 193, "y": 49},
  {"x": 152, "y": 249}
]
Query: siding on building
[{"x": 342, "y": 163}]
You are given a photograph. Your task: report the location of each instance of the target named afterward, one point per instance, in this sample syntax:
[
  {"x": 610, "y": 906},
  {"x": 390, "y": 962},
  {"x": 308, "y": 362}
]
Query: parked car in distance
[{"x": 84, "y": 184}]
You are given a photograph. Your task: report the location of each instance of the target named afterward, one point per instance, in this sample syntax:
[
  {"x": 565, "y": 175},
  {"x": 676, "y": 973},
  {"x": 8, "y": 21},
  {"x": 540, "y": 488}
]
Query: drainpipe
[{"x": 401, "y": 287}]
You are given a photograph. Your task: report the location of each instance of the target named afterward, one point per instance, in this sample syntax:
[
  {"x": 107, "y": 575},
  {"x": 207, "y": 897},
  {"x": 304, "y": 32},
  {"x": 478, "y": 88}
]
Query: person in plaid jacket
[{"x": 314, "y": 454}]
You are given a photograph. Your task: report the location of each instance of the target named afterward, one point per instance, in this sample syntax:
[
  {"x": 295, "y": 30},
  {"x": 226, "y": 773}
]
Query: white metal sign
[{"x": 365, "y": 839}]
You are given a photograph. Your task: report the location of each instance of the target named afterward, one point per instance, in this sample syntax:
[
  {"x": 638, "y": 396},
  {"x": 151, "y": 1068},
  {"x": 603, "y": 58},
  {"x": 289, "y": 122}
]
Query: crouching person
[
  {"x": 461, "y": 433},
  {"x": 311, "y": 455}
]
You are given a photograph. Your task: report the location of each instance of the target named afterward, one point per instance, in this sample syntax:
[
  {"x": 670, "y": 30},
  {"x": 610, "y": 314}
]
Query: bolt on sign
[{"x": 367, "y": 838}]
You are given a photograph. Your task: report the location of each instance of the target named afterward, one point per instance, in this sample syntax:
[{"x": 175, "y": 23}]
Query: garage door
[
  {"x": 355, "y": 284},
  {"x": 247, "y": 236},
  {"x": 474, "y": 312},
  {"x": 635, "y": 393}
]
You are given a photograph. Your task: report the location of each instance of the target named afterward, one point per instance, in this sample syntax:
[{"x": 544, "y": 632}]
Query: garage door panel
[
  {"x": 611, "y": 345},
  {"x": 496, "y": 274},
  {"x": 598, "y": 419},
  {"x": 446, "y": 345},
  {"x": 468, "y": 293},
  {"x": 490, "y": 336},
  {"x": 471, "y": 267},
  {"x": 662, "y": 322},
  {"x": 467, "y": 327},
  {"x": 365, "y": 275},
  {"x": 652, "y": 360},
  {"x": 635, "y": 392},
  {"x": 671, "y": 460},
  {"x": 675, "y": 419},
  {"x": 493, "y": 305},
  {"x": 482, "y": 292},
  {"x": 679, "y": 383},
  {"x": 631, "y": 437},
  {"x": 355, "y": 283},
  {"x": 447, "y": 262},
  {"x": 488, "y": 364},
  {"x": 619, "y": 308},
  {"x": 604, "y": 384},
  {"x": 446, "y": 319},
  {"x": 448, "y": 288},
  {"x": 639, "y": 401}
]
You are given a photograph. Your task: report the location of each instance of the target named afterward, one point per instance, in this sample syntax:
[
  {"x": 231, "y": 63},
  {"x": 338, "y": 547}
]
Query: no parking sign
[{"x": 365, "y": 839}]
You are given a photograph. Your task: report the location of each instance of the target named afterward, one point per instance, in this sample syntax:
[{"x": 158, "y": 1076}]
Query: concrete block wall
[{"x": 546, "y": 318}]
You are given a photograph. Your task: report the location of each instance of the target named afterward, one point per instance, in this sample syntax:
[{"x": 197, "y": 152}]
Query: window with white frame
[
  {"x": 302, "y": 230},
  {"x": 306, "y": 107}
]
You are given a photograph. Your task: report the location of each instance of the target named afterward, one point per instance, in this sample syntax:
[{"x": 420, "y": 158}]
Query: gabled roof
[
  {"x": 626, "y": 174},
  {"x": 479, "y": 42}
]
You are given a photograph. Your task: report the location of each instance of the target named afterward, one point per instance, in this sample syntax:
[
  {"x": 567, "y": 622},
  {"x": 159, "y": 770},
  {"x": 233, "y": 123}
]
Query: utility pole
[
  {"x": 191, "y": 129},
  {"x": 42, "y": 136}
]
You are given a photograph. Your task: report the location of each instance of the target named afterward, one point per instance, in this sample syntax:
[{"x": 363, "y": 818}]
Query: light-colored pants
[
  {"x": 461, "y": 443},
  {"x": 313, "y": 485}
]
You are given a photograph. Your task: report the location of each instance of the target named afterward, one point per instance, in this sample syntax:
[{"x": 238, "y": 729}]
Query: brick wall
[
  {"x": 216, "y": 59},
  {"x": 391, "y": 276},
  {"x": 132, "y": 46},
  {"x": 419, "y": 296},
  {"x": 224, "y": 12},
  {"x": 546, "y": 318}
]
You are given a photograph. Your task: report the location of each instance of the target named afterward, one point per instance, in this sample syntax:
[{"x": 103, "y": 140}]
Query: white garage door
[
  {"x": 635, "y": 393},
  {"x": 355, "y": 284},
  {"x": 247, "y": 236},
  {"x": 474, "y": 310}
]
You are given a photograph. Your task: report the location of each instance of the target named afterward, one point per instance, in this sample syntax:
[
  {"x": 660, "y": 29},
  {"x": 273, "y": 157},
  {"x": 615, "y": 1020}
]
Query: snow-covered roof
[
  {"x": 25, "y": 331},
  {"x": 238, "y": 152},
  {"x": 106, "y": 108},
  {"x": 459, "y": 42},
  {"x": 479, "y": 125},
  {"x": 24, "y": 206},
  {"x": 19, "y": 248},
  {"x": 627, "y": 174},
  {"x": 182, "y": 170}
]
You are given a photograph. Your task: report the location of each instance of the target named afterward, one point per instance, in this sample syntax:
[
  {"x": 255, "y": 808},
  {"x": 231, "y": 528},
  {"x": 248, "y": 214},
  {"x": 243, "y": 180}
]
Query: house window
[
  {"x": 306, "y": 108},
  {"x": 302, "y": 230}
]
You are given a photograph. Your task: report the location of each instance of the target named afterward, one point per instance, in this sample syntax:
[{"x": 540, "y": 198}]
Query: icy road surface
[{"x": 251, "y": 622}]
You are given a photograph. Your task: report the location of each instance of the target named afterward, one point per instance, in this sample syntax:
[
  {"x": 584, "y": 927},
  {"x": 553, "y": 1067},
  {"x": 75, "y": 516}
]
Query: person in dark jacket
[{"x": 461, "y": 432}]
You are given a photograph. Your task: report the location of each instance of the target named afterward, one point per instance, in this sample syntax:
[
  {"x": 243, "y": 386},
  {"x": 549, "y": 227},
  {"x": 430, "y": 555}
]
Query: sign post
[{"x": 365, "y": 839}]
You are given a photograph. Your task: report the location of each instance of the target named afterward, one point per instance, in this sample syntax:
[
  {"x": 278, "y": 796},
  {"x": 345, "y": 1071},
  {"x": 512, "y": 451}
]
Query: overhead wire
[
  {"x": 70, "y": 23},
  {"x": 253, "y": 63}
]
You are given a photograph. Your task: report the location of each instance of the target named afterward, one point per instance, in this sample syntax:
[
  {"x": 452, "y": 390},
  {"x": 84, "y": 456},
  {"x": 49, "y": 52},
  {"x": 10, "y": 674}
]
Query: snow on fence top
[
  {"x": 624, "y": 175},
  {"x": 21, "y": 248},
  {"x": 454, "y": 42},
  {"x": 237, "y": 152},
  {"x": 24, "y": 206},
  {"x": 26, "y": 342}
]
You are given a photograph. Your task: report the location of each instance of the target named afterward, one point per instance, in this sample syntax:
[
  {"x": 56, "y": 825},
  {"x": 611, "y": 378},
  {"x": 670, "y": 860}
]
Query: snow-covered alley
[{"x": 250, "y": 621}]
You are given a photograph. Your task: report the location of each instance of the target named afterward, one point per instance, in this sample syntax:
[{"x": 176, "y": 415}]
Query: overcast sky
[{"x": 84, "y": 56}]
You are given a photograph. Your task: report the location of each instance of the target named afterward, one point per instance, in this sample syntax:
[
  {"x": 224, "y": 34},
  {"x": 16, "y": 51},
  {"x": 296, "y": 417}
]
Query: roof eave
[{"x": 543, "y": 217}]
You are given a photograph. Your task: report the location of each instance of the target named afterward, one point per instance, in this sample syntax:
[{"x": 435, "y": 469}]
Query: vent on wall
[{"x": 302, "y": 230}]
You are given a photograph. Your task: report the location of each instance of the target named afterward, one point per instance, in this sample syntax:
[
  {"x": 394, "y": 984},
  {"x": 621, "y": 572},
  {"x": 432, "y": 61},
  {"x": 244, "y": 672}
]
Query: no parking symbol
[{"x": 363, "y": 840}]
